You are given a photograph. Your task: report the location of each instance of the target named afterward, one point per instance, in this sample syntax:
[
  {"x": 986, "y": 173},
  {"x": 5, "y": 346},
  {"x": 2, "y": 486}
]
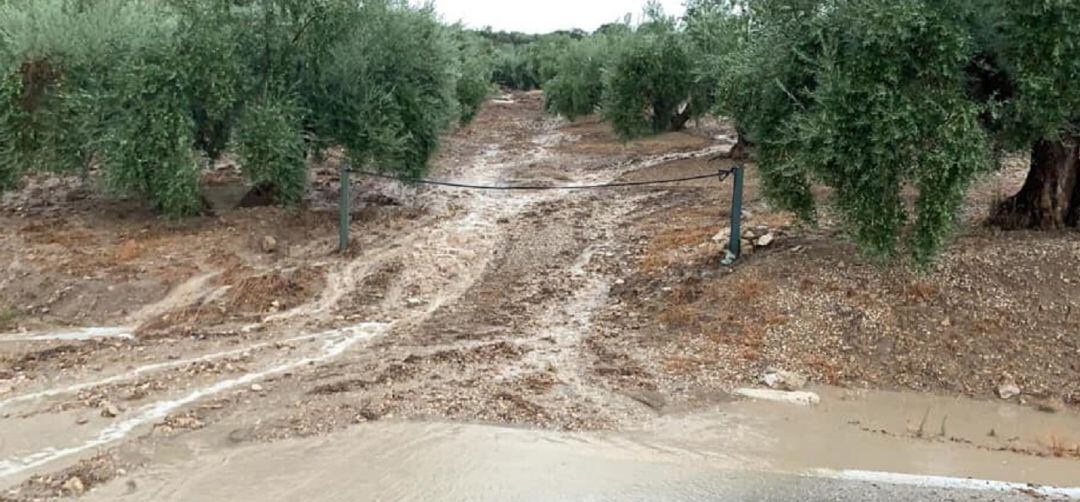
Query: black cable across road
[{"x": 722, "y": 174}]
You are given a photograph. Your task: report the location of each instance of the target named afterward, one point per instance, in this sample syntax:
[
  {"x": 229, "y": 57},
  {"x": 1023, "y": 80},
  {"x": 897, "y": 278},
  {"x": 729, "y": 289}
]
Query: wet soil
[
  {"x": 575, "y": 311},
  {"x": 703, "y": 455}
]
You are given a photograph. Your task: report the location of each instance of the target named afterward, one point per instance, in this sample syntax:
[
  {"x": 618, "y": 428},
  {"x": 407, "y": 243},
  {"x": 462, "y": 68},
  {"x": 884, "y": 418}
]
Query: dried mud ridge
[{"x": 575, "y": 311}]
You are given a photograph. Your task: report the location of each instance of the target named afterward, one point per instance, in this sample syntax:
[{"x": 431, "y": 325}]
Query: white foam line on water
[
  {"x": 943, "y": 482},
  {"x": 150, "y": 368},
  {"x": 337, "y": 342},
  {"x": 78, "y": 335}
]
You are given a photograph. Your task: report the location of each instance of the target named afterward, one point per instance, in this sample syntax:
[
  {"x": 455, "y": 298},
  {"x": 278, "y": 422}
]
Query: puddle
[
  {"x": 435, "y": 461},
  {"x": 914, "y": 434},
  {"x": 78, "y": 335},
  {"x": 406, "y": 462},
  {"x": 336, "y": 342}
]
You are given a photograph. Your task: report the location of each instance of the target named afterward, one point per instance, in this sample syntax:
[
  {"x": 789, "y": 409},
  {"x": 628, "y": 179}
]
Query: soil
[{"x": 569, "y": 310}]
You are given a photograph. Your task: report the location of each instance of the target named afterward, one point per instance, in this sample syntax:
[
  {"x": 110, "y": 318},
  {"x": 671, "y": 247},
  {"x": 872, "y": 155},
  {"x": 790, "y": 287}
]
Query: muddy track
[
  {"x": 553, "y": 310},
  {"x": 475, "y": 313}
]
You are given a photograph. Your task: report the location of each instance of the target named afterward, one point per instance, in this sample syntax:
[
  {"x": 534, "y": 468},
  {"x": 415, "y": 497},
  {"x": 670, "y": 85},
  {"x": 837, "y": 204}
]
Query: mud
[
  {"x": 668, "y": 458},
  {"x": 571, "y": 312},
  {"x": 333, "y": 344}
]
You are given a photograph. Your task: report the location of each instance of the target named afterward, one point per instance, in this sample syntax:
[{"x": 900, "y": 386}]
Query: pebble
[
  {"x": 74, "y": 486},
  {"x": 269, "y": 244},
  {"x": 256, "y": 388},
  {"x": 784, "y": 380},
  {"x": 109, "y": 410},
  {"x": 747, "y": 247},
  {"x": 1052, "y": 405},
  {"x": 765, "y": 240},
  {"x": 723, "y": 236},
  {"x": 800, "y": 398},
  {"x": 1008, "y": 390}
]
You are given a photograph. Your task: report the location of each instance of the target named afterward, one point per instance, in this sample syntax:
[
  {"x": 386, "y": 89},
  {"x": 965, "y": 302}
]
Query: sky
[{"x": 543, "y": 16}]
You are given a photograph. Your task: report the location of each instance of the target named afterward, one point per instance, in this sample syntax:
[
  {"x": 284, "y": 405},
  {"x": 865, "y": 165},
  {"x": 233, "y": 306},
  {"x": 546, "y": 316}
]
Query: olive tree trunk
[
  {"x": 1050, "y": 198},
  {"x": 679, "y": 121}
]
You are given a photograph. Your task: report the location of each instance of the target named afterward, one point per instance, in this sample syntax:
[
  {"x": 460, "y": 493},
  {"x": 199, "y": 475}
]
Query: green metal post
[
  {"x": 344, "y": 207},
  {"x": 735, "y": 240}
]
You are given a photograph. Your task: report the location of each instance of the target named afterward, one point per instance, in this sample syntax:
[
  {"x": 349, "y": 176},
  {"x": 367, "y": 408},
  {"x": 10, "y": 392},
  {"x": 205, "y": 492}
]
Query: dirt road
[{"x": 542, "y": 309}]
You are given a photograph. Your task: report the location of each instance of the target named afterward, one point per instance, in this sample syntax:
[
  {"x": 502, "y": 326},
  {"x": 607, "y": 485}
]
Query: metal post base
[{"x": 735, "y": 240}]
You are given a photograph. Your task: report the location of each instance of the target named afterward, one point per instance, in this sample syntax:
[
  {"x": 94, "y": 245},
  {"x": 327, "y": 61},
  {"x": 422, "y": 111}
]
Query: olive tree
[
  {"x": 512, "y": 69},
  {"x": 713, "y": 30},
  {"x": 578, "y": 86},
  {"x": 648, "y": 82},
  {"x": 875, "y": 97},
  {"x": 476, "y": 64},
  {"x": 385, "y": 87},
  {"x": 146, "y": 91},
  {"x": 1028, "y": 67},
  {"x": 526, "y": 62}
]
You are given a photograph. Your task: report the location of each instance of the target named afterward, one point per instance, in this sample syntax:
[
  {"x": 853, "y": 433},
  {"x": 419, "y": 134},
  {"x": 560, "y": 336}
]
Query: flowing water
[
  {"x": 74, "y": 335},
  {"x": 334, "y": 343},
  {"x": 742, "y": 450}
]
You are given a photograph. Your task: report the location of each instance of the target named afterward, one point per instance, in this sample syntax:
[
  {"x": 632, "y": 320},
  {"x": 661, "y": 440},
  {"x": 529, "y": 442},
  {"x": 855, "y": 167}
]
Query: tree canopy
[
  {"x": 146, "y": 91},
  {"x": 645, "y": 79},
  {"x": 897, "y": 106},
  {"x": 874, "y": 98}
]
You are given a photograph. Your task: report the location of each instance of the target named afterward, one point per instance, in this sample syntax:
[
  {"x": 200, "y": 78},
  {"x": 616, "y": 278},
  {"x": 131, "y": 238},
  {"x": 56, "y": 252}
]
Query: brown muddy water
[{"x": 850, "y": 435}]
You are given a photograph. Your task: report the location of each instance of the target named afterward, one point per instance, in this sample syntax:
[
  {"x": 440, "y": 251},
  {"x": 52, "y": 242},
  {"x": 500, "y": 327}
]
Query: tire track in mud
[
  {"x": 461, "y": 241},
  {"x": 564, "y": 325},
  {"x": 478, "y": 217},
  {"x": 446, "y": 259},
  {"x": 535, "y": 291}
]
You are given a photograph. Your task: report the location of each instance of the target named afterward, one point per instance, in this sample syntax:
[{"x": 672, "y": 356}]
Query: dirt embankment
[{"x": 564, "y": 310}]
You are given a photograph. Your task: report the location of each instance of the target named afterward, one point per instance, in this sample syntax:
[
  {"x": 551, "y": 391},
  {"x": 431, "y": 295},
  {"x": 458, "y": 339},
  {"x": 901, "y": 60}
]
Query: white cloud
[{"x": 542, "y": 16}]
